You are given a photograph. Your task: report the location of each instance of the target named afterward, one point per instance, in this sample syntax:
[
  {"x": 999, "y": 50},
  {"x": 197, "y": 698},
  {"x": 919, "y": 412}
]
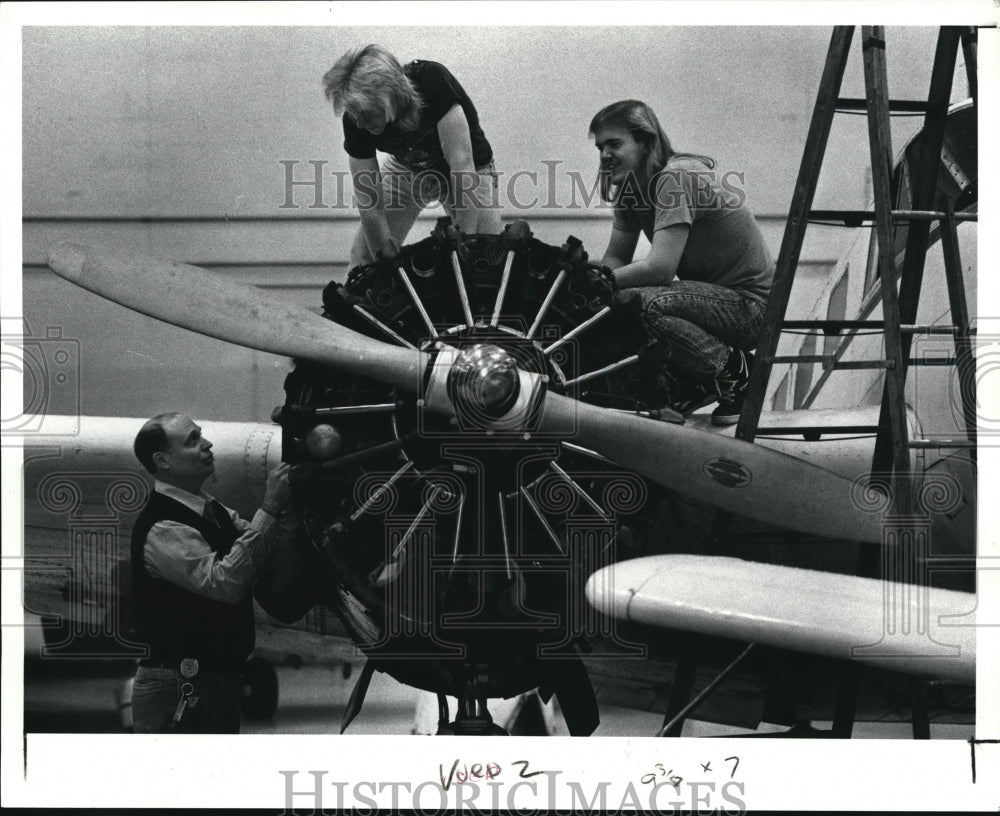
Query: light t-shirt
[{"x": 724, "y": 246}]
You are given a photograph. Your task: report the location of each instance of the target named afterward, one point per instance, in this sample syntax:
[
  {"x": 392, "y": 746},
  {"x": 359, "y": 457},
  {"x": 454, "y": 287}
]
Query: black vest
[{"x": 175, "y": 622}]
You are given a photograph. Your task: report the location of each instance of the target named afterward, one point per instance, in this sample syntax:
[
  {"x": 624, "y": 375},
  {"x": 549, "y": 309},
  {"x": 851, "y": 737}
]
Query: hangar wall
[{"x": 178, "y": 141}]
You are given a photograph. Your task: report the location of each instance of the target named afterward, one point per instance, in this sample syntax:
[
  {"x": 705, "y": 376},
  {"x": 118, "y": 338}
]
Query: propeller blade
[
  {"x": 358, "y": 695},
  {"x": 720, "y": 471},
  {"x": 204, "y": 302}
]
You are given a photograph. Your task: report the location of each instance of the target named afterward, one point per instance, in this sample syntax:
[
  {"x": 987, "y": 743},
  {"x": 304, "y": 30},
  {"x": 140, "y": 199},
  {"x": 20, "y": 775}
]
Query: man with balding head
[{"x": 193, "y": 566}]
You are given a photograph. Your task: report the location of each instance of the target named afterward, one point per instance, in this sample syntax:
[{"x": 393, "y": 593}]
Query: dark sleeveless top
[{"x": 178, "y": 623}]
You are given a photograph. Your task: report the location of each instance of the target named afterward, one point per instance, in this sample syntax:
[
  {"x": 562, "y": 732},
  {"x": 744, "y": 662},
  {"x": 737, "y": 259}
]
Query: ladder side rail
[
  {"x": 924, "y": 189},
  {"x": 880, "y": 143},
  {"x": 964, "y": 354},
  {"x": 824, "y": 109},
  {"x": 798, "y": 219},
  {"x": 970, "y": 51}
]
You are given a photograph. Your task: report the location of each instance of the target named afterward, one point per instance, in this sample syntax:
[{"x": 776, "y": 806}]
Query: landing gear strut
[{"x": 472, "y": 719}]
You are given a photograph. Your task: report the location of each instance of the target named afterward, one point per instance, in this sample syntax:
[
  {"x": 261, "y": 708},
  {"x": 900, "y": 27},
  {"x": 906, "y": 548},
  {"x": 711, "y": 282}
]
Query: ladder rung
[
  {"x": 833, "y": 326},
  {"x": 855, "y": 218},
  {"x": 799, "y": 358},
  {"x": 932, "y": 361},
  {"x": 895, "y": 105},
  {"x": 951, "y": 561},
  {"x": 829, "y": 362},
  {"x": 931, "y": 215},
  {"x": 813, "y": 432},
  {"x": 942, "y": 443},
  {"x": 836, "y": 326},
  {"x": 928, "y": 329},
  {"x": 851, "y": 218},
  {"x": 857, "y": 365}
]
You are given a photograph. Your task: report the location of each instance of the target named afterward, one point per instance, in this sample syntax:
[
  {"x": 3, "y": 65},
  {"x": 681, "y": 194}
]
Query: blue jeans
[
  {"x": 698, "y": 324},
  {"x": 407, "y": 193},
  {"x": 157, "y": 692}
]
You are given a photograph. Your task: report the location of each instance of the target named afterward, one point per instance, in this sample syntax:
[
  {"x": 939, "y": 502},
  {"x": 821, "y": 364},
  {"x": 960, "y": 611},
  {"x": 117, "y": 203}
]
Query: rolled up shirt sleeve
[{"x": 179, "y": 554}]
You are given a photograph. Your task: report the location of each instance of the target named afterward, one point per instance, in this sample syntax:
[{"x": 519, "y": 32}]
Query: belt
[{"x": 159, "y": 664}]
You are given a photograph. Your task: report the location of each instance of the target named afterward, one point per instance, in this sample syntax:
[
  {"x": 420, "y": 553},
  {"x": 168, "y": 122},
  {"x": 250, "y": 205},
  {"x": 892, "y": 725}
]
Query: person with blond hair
[
  {"x": 424, "y": 120},
  {"x": 705, "y": 282}
]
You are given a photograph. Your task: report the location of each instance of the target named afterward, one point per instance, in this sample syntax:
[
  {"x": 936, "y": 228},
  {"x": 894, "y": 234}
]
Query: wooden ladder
[
  {"x": 891, "y": 459},
  {"x": 899, "y": 309}
]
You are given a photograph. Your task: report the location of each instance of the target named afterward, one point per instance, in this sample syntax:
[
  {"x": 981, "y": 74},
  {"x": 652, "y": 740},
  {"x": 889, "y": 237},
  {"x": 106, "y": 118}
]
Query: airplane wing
[{"x": 905, "y": 628}]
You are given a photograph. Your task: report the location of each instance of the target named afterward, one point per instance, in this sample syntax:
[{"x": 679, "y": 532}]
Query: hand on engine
[{"x": 277, "y": 491}]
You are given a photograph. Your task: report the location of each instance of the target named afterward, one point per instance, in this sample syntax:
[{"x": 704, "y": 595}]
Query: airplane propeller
[
  {"x": 204, "y": 302},
  {"x": 720, "y": 471}
]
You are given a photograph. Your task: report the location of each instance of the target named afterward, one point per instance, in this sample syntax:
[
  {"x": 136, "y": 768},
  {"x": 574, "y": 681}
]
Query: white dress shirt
[{"x": 179, "y": 554}]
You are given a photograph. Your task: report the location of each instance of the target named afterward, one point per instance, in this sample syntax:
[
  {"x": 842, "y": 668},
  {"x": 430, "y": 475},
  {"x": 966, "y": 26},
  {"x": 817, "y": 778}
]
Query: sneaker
[
  {"x": 693, "y": 399},
  {"x": 732, "y": 389}
]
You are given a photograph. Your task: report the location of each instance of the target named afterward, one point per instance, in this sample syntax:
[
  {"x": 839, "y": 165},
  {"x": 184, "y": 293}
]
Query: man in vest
[{"x": 193, "y": 566}]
